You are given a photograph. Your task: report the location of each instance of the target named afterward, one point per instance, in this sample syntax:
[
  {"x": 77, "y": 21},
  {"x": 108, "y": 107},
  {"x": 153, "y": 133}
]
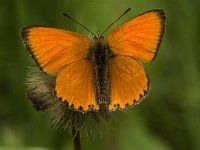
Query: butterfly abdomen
[{"x": 99, "y": 55}]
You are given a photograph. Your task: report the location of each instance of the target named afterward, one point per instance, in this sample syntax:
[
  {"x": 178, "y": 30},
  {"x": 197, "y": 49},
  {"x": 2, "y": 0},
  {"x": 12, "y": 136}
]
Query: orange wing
[
  {"x": 75, "y": 85},
  {"x": 140, "y": 37},
  {"x": 129, "y": 82},
  {"x": 63, "y": 53},
  {"x": 53, "y": 49}
]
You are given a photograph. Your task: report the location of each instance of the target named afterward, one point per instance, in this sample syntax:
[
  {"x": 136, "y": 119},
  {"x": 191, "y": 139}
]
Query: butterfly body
[
  {"x": 100, "y": 54},
  {"x": 106, "y": 72}
]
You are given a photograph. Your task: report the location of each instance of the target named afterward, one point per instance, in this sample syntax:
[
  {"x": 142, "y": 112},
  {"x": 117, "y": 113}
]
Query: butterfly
[{"x": 91, "y": 73}]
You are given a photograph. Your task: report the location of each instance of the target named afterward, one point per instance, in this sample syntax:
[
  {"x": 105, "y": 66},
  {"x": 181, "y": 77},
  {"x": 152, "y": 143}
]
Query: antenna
[
  {"x": 77, "y": 23},
  {"x": 116, "y": 20}
]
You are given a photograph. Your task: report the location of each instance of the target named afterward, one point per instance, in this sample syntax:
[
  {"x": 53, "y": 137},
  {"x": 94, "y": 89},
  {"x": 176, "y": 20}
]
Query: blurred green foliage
[{"x": 168, "y": 119}]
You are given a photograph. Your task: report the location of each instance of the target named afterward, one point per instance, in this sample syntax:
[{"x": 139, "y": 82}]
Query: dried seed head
[{"x": 42, "y": 95}]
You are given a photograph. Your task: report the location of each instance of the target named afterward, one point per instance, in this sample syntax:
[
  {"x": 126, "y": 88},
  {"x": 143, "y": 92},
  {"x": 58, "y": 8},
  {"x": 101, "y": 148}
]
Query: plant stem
[{"x": 76, "y": 139}]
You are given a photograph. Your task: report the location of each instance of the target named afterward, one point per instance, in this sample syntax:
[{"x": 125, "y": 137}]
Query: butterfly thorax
[{"x": 99, "y": 55}]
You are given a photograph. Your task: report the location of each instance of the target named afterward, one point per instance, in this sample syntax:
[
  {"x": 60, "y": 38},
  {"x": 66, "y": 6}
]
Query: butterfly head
[{"x": 98, "y": 36}]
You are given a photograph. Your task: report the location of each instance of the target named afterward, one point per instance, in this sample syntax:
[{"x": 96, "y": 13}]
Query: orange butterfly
[{"x": 91, "y": 73}]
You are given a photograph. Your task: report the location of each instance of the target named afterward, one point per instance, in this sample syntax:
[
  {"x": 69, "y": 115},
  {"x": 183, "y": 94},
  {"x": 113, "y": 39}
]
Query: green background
[{"x": 168, "y": 119}]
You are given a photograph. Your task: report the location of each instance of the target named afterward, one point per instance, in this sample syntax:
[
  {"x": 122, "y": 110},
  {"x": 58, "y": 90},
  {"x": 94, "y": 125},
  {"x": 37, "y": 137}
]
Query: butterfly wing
[
  {"x": 63, "y": 53},
  {"x": 129, "y": 82},
  {"x": 53, "y": 49},
  {"x": 140, "y": 37},
  {"x": 75, "y": 85}
]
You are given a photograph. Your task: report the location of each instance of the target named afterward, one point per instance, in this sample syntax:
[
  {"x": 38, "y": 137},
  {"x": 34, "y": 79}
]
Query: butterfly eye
[{"x": 95, "y": 38}]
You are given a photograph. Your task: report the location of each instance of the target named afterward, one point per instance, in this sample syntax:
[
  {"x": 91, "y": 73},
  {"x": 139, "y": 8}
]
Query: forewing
[
  {"x": 53, "y": 49},
  {"x": 129, "y": 82},
  {"x": 140, "y": 37}
]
